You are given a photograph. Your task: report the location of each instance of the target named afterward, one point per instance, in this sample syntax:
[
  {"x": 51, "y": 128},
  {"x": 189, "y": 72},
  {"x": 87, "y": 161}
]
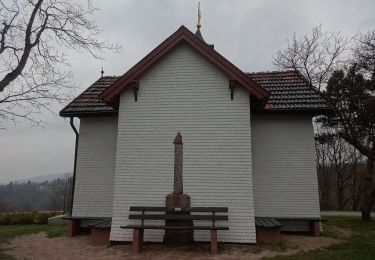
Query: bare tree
[
  {"x": 346, "y": 77},
  {"x": 61, "y": 189},
  {"x": 323, "y": 169},
  {"x": 33, "y": 36},
  {"x": 340, "y": 170},
  {"x": 364, "y": 58},
  {"x": 316, "y": 55},
  {"x": 356, "y": 162},
  {"x": 68, "y": 181},
  {"x": 335, "y": 151},
  {"x": 364, "y": 54},
  {"x": 3, "y": 206}
]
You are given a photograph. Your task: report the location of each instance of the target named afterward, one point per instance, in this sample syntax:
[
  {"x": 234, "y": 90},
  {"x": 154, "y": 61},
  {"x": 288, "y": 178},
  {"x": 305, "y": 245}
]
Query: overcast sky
[{"x": 246, "y": 32}]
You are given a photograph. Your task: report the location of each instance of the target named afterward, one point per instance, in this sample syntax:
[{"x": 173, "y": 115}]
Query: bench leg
[
  {"x": 314, "y": 228},
  {"x": 213, "y": 242},
  {"x": 74, "y": 227},
  {"x": 137, "y": 240}
]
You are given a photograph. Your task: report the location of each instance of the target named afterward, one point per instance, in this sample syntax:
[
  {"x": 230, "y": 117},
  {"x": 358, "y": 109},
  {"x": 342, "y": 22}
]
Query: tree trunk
[
  {"x": 340, "y": 198},
  {"x": 356, "y": 194},
  {"x": 368, "y": 189},
  {"x": 340, "y": 188}
]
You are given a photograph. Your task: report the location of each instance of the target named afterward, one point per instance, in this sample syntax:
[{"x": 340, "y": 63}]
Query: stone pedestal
[
  {"x": 177, "y": 201},
  {"x": 100, "y": 237},
  {"x": 178, "y": 237},
  {"x": 270, "y": 236}
]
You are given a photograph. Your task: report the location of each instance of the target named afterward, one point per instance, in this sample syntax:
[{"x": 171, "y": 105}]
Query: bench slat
[
  {"x": 182, "y": 228},
  {"x": 154, "y": 209},
  {"x": 82, "y": 218},
  {"x": 298, "y": 219},
  {"x": 177, "y": 217},
  {"x": 190, "y": 209}
]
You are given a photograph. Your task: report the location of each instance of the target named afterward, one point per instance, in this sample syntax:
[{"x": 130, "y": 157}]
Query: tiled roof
[
  {"x": 102, "y": 224},
  {"x": 88, "y": 102},
  {"x": 289, "y": 92},
  {"x": 267, "y": 222}
]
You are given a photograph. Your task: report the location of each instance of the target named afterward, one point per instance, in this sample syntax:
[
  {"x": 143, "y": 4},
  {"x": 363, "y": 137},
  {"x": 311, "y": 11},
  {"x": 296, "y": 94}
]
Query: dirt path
[{"x": 39, "y": 246}]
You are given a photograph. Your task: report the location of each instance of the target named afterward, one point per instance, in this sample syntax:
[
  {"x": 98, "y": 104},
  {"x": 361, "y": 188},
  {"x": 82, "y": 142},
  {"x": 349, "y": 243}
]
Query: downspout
[{"x": 75, "y": 163}]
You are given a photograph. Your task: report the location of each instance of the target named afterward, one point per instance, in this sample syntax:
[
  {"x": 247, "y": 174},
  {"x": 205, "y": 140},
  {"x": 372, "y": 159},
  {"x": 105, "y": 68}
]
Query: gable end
[{"x": 111, "y": 94}]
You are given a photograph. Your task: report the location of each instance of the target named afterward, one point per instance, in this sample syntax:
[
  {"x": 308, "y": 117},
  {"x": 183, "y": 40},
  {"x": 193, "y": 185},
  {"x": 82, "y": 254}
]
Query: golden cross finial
[{"x": 199, "y": 15}]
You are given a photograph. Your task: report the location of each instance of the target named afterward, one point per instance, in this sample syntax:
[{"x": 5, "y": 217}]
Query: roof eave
[
  {"x": 88, "y": 114},
  {"x": 314, "y": 111}
]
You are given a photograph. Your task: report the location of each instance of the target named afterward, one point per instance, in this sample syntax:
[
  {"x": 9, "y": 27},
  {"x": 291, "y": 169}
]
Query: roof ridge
[
  {"x": 271, "y": 71},
  {"x": 108, "y": 76}
]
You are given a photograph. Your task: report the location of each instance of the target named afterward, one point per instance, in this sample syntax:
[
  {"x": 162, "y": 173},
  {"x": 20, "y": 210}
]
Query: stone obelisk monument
[{"x": 177, "y": 200}]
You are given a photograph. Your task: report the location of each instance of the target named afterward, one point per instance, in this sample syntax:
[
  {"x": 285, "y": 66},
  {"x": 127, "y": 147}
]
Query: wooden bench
[
  {"x": 268, "y": 230},
  {"x": 163, "y": 213},
  {"x": 314, "y": 223},
  {"x": 100, "y": 232},
  {"x": 74, "y": 224}
]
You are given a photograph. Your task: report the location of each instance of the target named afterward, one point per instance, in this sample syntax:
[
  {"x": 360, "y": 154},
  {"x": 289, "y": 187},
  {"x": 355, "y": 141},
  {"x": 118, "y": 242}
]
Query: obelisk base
[{"x": 178, "y": 237}]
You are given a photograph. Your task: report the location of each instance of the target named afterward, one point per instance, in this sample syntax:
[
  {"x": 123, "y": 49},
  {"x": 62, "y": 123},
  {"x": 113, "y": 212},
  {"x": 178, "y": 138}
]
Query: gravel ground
[{"x": 39, "y": 246}]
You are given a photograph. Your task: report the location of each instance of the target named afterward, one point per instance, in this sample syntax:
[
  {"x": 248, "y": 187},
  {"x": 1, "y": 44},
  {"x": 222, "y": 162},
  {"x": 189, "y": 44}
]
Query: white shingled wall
[
  {"x": 93, "y": 194},
  {"x": 185, "y": 92},
  {"x": 284, "y": 167}
]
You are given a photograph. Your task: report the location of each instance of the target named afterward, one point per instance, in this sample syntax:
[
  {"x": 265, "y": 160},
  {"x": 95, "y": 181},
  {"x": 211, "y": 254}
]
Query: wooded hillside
[{"x": 48, "y": 195}]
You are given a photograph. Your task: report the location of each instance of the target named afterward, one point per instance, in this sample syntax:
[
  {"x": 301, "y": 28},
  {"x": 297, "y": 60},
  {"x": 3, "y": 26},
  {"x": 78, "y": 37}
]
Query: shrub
[
  {"x": 42, "y": 217},
  {"x": 5, "y": 218},
  {"x": 26, "y": 217}
]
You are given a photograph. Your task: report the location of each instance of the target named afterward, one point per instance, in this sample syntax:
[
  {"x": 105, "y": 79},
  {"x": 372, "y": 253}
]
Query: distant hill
[
  {"x": 48, "y": 192},
  {"x": 43, "y": 178}
]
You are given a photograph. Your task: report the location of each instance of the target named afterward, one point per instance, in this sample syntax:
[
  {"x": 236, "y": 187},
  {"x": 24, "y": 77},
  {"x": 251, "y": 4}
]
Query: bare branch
[
  {"x": 316, "y": 55},
  {"x": 33, "y": 37},
  {"x": 364, "y": 54}
]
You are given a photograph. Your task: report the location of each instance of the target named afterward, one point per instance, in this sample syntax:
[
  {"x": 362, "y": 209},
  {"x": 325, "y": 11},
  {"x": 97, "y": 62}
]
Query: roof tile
[
  {"x": 289, "y": 91},
  {"x": 88, "y": 102}
]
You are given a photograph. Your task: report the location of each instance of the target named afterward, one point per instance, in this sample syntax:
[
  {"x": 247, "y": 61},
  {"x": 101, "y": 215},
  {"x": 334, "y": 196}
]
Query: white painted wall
[
  {"x": 184, "y": 92},
  {"x": 284, "y": 168},
  {"x": 93, "y": 195}
]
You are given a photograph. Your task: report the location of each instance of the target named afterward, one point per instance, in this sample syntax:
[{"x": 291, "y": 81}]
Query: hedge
[{"x": 33, "y": 217}]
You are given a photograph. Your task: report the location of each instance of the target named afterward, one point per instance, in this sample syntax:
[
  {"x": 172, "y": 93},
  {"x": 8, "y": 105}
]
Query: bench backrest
[
  {"x": 164, "y": 213},
  {"x": 190, "y": 209}
]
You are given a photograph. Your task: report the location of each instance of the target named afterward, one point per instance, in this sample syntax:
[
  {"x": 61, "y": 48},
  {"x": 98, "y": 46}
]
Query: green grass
[
  {"x": 12, "y": 231},
  {"x": 361, "y": 245}
]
